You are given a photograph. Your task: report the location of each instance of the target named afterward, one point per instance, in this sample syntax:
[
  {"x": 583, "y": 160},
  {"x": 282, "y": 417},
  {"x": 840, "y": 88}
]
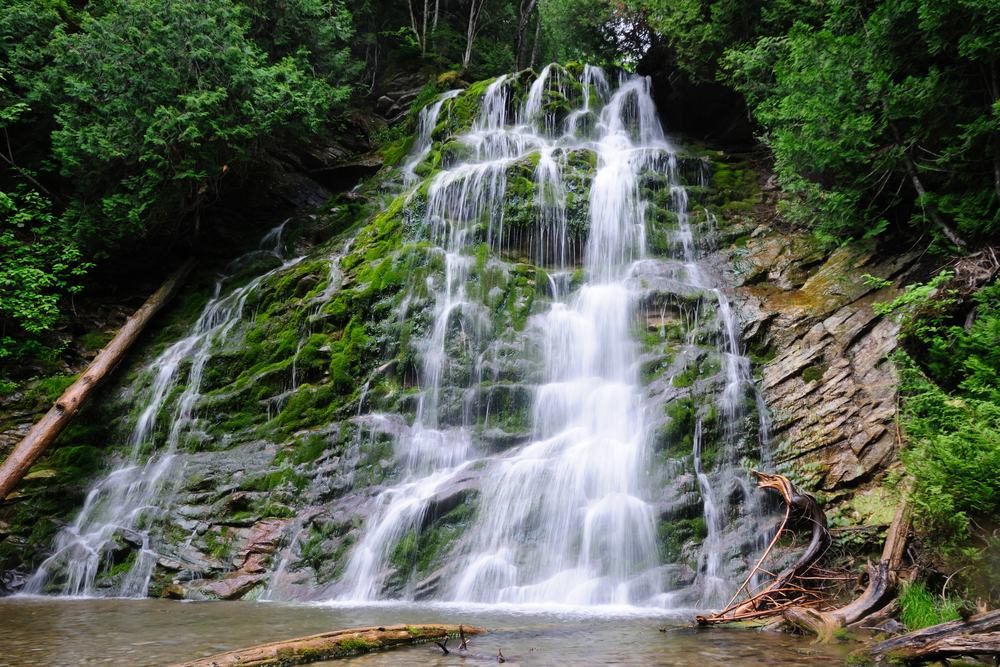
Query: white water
[
  {"x": 566, "y": 518},
  {"x": 563, "y": 519},
  {"x": 125, "y": 504}
]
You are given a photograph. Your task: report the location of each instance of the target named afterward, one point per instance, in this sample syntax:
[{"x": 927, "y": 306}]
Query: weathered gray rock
[{"x": 830, "y": 390}]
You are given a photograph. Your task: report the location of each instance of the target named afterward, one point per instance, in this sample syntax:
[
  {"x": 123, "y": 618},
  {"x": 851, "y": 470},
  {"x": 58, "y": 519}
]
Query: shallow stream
[{"x": 61, "y": 632}]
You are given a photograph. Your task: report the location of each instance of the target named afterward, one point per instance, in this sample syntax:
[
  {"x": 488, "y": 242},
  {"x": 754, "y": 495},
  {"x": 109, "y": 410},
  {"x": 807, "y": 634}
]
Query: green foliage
[
  {"x": 922, "y": 609},
  {"x": 854, "y": 98},
  {"x": 921, "y": 310},
  {"x": 160, "y": 99},
  {"x": 951, "y": 413},
  {"x": 37, "y": 270}
]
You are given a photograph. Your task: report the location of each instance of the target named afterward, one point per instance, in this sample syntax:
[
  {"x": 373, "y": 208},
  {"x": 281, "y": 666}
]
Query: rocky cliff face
[{"x": 829, "y": 387}]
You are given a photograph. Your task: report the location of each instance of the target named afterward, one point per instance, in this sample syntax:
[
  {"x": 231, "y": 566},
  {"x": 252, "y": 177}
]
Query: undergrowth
[{"x": 922, "y": 609}]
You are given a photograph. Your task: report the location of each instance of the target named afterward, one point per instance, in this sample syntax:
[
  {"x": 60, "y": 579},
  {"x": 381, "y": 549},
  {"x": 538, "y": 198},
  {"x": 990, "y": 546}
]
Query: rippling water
[{"x": 153, "y": 633}]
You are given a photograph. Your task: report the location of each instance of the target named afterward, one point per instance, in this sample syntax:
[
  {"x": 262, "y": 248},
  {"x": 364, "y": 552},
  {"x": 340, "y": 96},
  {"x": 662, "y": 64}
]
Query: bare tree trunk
[
  {"x": 476, "y": 6},
  {"x": 423, "y": 41},
  {"x": 45, "y": 431},
  {"x": 522, "y": 36},
  {"x": 538, "y": 34},
  {"x": 413, "y": 25},
  {"x": 976, "y": 636}
]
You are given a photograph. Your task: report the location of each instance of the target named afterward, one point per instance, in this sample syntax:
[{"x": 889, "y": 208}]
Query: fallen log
[
  {"x": 329, "y": 645},
  {"x": 42, "y": 434},
  {"x": 979, "y": 635}
]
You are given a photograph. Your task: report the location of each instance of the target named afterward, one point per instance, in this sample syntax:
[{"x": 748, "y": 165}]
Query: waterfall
[
  {"x": 567, "y": 517},
  {"x": 124, "y": 505},
  {"x": 543, "y": 355}
]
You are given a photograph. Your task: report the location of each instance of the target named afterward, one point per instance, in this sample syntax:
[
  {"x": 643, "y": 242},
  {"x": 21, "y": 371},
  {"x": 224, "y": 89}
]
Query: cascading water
[
  {"x": 524, "y": 378},
  {"x": 125, "y": 504},
  {"x": 565, "y": 518}
]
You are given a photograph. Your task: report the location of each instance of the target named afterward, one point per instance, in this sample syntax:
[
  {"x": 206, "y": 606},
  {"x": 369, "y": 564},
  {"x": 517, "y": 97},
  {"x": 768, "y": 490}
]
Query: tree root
[
  {"x": 781, "y": 593},
  {"x": 794, "y": 595}
]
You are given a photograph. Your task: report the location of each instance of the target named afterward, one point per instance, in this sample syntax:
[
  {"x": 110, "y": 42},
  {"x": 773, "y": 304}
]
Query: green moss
[
  {"x": 861, "y": 658},
  {"x": 761, "y": 355},
  {"x": 677, "y": 436},
  {"x": 845, "y": 636},
  {"x": 52, "y": 388},
  {"x": 94, "y": 340},
  {"x": 395, "y": 152},
  {"x": 358, "y": 645},
  {"x": 812, "y": 373},
  {"x": 680, "y": 533},
  {"x": 738, "y": 207}
]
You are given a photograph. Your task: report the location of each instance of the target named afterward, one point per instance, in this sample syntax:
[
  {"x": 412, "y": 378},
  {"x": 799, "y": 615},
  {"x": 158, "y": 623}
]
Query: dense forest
[{"x": 128, "y": 124}]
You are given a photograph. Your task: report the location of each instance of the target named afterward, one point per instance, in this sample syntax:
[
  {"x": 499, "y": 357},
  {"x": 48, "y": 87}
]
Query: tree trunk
[
  {"x": 413, "y": 26},
  {"x": 911, "y": 170},
  {"x": 522, "y": 36},
  {"x": 899, "y": 530},
  {"x": 328, "y": 645},
  {"x": 45, "y": 431},
  {"x": 538, "y": 34},
  {"x": 476, "y": 6},
  {"x": 423, "y": 38}
]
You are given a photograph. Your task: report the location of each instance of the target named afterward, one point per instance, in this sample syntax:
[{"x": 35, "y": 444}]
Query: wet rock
[
  {"x": 829, "y": 388},
  {"x": 174, "y": 592},
  {"x": 169, "y": 563},
  {"x": 430, "y": 586},
  {"x": 263, "y": 538},
  {"x": 232, "y": 587},
  {"x": 255, "y": 563},
  {"x": 235, "y": 587}
]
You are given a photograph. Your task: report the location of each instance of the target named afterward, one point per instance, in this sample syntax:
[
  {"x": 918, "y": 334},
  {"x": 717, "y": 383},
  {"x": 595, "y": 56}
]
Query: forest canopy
[{"x": 124, "y": 119}]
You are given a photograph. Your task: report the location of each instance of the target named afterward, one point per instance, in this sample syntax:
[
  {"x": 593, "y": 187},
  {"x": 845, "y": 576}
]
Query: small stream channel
[{"x": 61, "y": 632}]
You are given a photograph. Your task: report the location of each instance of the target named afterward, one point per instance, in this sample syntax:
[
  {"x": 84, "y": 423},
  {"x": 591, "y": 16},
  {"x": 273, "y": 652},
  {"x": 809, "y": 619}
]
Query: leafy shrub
[{"x": 950, "y": 392}]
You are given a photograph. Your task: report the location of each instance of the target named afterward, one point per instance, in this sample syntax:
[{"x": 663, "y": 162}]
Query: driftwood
[
  {"x": 792, "y": 593},
  {"x": 463, "y": 649},
  {"x": 329, "y": 645},
  {"x": 979, "y": 635},
  {"x": 824, "y": 623},
  {"x": 42, "y": 434},
  {"x": 874, "y": 605},
  {"x": 781, "y": 592}
]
